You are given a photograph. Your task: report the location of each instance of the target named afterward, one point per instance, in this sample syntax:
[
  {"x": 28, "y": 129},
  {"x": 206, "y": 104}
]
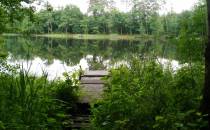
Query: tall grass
[{"x": 29, "y": 102}]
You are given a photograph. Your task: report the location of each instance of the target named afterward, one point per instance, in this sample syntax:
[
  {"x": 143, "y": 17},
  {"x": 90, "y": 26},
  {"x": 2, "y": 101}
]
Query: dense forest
[
  {"x": 141, "y": 94},
  {"x": 101, "y": 19}
]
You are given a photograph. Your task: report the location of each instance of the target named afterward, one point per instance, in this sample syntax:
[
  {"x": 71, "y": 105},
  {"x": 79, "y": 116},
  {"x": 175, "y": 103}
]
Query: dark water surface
[{"x": 56, "y": 56}]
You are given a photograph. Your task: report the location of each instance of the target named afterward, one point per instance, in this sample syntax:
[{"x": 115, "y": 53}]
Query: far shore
[{"x": 89, "y": 36}]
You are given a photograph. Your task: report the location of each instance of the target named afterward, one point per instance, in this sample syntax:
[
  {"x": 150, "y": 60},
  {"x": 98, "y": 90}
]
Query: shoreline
[{"x": 88, "y": 36}]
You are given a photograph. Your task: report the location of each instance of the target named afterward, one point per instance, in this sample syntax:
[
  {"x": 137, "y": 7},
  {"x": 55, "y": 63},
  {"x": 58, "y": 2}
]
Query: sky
[{"x": 177, "y": 5}]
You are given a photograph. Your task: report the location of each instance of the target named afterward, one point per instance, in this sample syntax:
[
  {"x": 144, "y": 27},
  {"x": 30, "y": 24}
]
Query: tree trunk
[
  {"x": 48, "y": 28},
  {"x": 131, "y": 32},
  {"x": 66, "y": 30},
  {"x": 51, "y": 27},
  {"x": 205, "y": 104}
]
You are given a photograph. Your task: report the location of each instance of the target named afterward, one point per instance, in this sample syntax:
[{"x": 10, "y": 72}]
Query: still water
[{"x": 56, "y": 56}]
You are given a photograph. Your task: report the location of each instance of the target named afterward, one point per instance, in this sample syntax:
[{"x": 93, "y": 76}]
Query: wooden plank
[
  {"x": 92, "y": 85},
  {"x": 91, "y": 80},
  {"x": 97, "y": 73},
  {"x": 91, "y": 92}
]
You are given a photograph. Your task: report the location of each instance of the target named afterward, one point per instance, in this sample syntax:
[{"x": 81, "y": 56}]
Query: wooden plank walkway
[{"x": 92, "y": 85}]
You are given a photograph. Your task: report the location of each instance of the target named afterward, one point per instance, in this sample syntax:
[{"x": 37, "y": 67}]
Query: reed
[{"x": 30, "y": 102}]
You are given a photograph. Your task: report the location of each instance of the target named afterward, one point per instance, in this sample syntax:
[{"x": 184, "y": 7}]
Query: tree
[
  {"x": 98, "y": 7},
  {"x": 170, "y": 23},
  {"x": 145, "y": 10},
  {"x": 205, "y": 105},
  {"x": 70, "y": 18},
  {"x": 84, "y": 25},
  {"x": 119, "y": 20},
  {"x": 11, "y": 10},
  {"x": 49, "y": 10}
]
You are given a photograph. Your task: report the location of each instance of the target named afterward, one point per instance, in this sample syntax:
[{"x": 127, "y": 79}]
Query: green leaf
[
  {"x": 179, "y": 125},
  {"x": 2, "y": 127},
  {"x": 61, "y": 115},
  {"x": 51, "y": 120},
  {"x": 157, "y": 118}
]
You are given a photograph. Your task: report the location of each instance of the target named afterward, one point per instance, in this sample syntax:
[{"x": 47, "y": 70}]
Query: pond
[{"x": 56, "y": 56}]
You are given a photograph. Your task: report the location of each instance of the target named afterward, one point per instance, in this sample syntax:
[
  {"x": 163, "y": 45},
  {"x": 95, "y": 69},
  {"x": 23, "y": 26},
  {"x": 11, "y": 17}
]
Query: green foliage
[
  {"x": 3, "y": 20},
  {"x": 12, "y": 11},
  {"x": 146, "y": 96},
  {"x": 69, "y": 19},
  {"x": 192, "y": 35},
  {"x": 3, "y": 53},
  {"x": 28, "y": 102},
  {"x": 68, "y": 92},
  {"x": 103, "y": 17}
]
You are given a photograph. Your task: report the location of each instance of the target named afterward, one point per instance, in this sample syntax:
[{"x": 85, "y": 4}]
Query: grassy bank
[
  {"x": 93, "y": 36},
  {"x": 90, "y": 36},
  {"x": 30, "y": 102}
]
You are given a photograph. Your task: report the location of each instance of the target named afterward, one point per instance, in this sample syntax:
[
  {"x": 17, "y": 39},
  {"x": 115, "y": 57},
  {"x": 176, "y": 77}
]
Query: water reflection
[
  {"x": 56, "y": 56},
  {"x": 54, "y": 70}
]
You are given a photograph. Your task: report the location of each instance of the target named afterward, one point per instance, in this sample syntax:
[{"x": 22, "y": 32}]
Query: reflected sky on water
[{"x": 56, "y": 56}]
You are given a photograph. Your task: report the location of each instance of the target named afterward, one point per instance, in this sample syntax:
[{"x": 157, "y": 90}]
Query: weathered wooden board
[
  {"x": 97, "y": 73},
  {"x": 92, "y": 85},
  {"x": 91, "y": 92},
  {"x": 91, "y": 80}
]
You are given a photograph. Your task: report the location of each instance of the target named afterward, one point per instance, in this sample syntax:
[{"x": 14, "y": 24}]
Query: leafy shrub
[{"x": 146, "y": 96}]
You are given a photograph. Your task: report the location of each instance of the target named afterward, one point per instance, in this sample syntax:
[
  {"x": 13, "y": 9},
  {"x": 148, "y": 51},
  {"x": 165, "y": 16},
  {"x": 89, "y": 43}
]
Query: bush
[
  {"x": 146, "y": 96},
  {"x": 29, "y": 102}
]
